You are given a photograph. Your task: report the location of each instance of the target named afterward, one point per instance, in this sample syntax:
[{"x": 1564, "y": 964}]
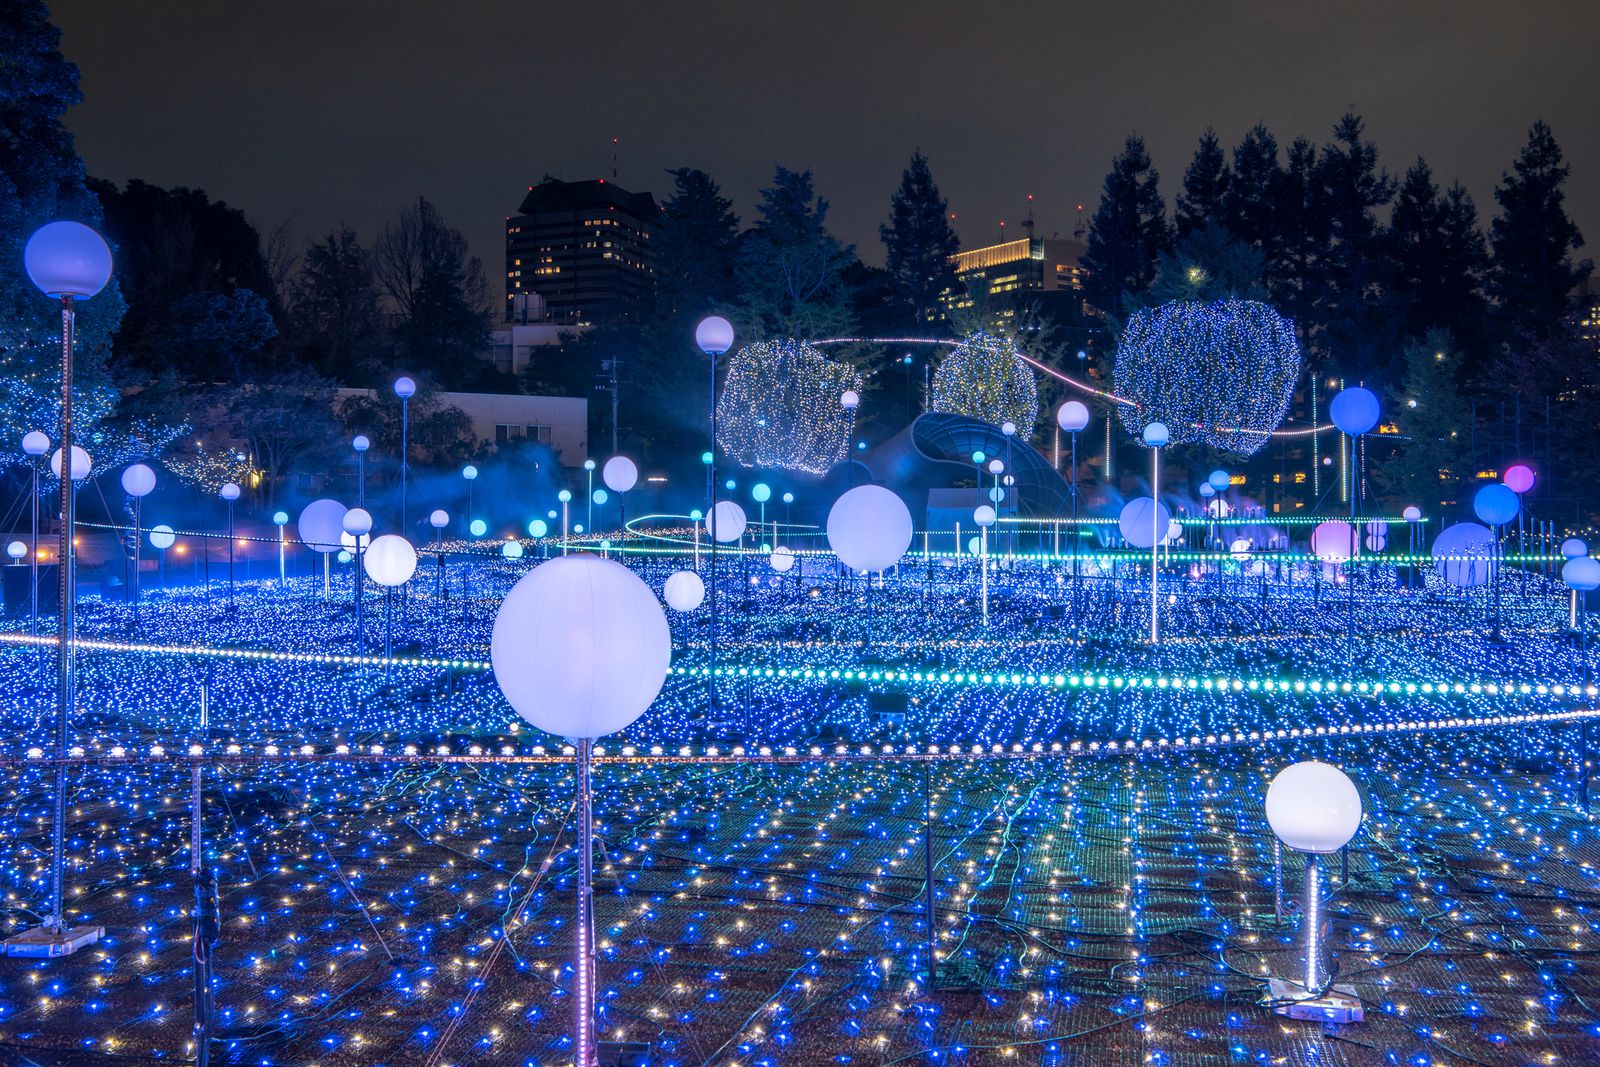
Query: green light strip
[{"x": 1087, "y": 680}]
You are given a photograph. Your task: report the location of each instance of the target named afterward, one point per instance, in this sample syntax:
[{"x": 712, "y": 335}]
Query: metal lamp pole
[
  {"x": 714, "y": 335},
  {"x": 361, "y": 444},
  {"x": 35, "y": 444},
  {"x": 67, "y": 261},
  {"x": 405, "y": 389},
  {"x": 583, "y": 1037},
  {"x": 230, "y": 493}
]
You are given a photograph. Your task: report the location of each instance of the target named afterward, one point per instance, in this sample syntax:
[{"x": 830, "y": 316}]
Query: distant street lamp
[
  {"x": 470, "y": 473},
  {"x": 361, "y": 444},
  {"x": 230, "y": 493},
  {"x": 1156, "y": 436},
  {"x": 714, "y": 335},
  {"x": 405, "y": 389},
  {"x": 35, "y": 444},
  {"x": 1073, "y": 417},
  {"x": 588, "y": 469},
  {"x": 68, "y": 262},
  {"x": 280, "y": 519},
  {"x": 137, "y": 481}
]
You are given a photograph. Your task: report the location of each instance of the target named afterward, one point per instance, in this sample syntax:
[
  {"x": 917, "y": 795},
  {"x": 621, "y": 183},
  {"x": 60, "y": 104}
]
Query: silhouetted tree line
[{"x": 1475, "y": 338}]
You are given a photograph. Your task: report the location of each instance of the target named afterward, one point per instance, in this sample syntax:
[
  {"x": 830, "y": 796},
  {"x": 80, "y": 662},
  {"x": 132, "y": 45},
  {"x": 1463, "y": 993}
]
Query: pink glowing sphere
[{"x": 1519, "y": 478}]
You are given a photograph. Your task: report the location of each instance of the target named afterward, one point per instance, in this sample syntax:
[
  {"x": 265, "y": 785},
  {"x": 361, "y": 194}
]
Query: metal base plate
[
  {"x": 1337, "y": 1005},
  {"x": 44, "y": 943}
]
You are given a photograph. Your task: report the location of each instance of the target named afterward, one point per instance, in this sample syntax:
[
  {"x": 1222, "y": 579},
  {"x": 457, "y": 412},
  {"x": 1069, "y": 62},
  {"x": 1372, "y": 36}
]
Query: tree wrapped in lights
[
  {"x": 780, "y": 409},
  {"x": 985, "y": 377},
  {"x": 1220, "y": 373}
]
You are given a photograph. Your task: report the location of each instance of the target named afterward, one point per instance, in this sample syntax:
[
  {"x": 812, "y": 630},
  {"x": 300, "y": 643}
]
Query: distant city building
[
  {"x": 1589, "y": 311},
  {"x": 1003, "y": 277},
  {"x": 584, "y": 250},
  {"x": 513, "y": 346}
]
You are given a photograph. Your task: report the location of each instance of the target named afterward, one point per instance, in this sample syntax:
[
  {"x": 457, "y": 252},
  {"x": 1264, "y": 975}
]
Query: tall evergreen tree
[
  {"x": 790, "y": 268},
  {"x": 1534, "y": 274},
  {"x": 1296, "y": 237},
  {"x": 1205, "y": 188},
  {"x": 1430, "y": 467},
  {"x": 334, "y": 309},
  {"x": 438, "y": 291},
  {"x": 663, "y": 376},
  {"x": 1209, "y": 264},
  {"x": 42, "y": 180},
  {"x": 1350, "y": 188},
  {"x": 919, "y": 241},
  {"x": 696, "y": 246},
  {"x": 1250, "y": 200},
  {"x": 1128, "y": 231},
  {"x": 1435, "y": 257}
]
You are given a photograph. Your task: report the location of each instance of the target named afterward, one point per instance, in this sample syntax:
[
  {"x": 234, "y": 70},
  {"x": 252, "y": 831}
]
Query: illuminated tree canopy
[
  {"x": 780, "y": 410},
  {"x": 1220, "y": 373},
  {"x": 984, "y": 377}
]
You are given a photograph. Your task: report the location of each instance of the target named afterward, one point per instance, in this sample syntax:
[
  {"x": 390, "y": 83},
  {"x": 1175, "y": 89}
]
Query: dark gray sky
[{"x": 344, "y": 111}]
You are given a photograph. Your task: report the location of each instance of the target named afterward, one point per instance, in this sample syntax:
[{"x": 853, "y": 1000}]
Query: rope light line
[
  {"x": 1086, "y": 680},
  {"x": 788, "y": 755}
]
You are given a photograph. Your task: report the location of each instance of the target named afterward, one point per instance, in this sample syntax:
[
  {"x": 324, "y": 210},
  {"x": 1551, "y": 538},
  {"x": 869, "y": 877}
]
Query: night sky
[{"x": 325, "y": 112}]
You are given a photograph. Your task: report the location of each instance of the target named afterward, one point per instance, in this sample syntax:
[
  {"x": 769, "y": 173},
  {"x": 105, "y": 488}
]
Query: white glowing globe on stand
[
  {"x": 580, "y": 647},
  {"x": 1313, "y": 807}
]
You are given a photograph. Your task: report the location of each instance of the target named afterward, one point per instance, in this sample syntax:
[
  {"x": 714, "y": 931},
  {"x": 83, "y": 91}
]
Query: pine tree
[
  {"x": 1534, "y": 275},
  {"x": 1430, "y": 467},
  {"x": 1296, "y": 239},
  {"x": 697, "y": 248},
  {"x": 1205, "y": 188},
  {"x": 790, "y": 268},
  {"x": 919, "y": 241},
  {"x": 696, "y": 245},
  {"x": 1349, "y": 189},
  {"x": 1435, "y": 257},
  {"x": 1128, "y": 231},
  {"x": 1250, "y": 201},
  {"x": 42, "y": 180},
  {"x": 335, "y": 315},
  {"x": 1209, "y": 264}
]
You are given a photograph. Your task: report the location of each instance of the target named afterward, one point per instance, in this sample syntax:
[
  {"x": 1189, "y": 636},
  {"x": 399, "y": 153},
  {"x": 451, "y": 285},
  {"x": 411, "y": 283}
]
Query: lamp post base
[
  {"x": 1337, "y": 1004},
  {"x": 45, "y": 942}
]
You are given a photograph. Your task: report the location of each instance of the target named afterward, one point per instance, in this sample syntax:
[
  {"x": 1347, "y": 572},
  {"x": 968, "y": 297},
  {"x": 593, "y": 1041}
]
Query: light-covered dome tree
[
  {"x": 985, "y": 377},
  {"x": 1220, "y": 373},
  {"x": 780, "y": 410}
]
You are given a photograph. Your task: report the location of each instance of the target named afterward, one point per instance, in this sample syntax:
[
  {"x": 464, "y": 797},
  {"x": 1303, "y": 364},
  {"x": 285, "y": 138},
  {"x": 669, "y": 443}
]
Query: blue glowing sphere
[
  {"x": 1156, "y": 434},
  {"x": 705, "y": 457},
  {"x": 730, "y": 485},
  {"x": 1581, "y": 573},
  {"x": 760, "y": 492},
  {"x": 1496, "y": 504},
  {"x": 697, "y": 514},
  {"x": 1354, "y": 410},
  {"x": 564, "y": 496},
  {"x": 469, "y": 472},
  {"x": 478, "y": 528},
  {"x": 978, "y": 457},
  {"x": 601, "y": 496},
  {"x": 538, "y": 528},
  {"x": 1218, "y": 479},
  {"x": 67, "y": 259},
  {"x": 788, "y": 498},
  {"x": 280, "y": 517}
]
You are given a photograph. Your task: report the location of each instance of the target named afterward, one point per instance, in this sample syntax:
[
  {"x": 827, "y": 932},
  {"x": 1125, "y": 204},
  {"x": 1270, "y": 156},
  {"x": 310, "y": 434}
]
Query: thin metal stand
[{"x": 584, "y": 964}]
